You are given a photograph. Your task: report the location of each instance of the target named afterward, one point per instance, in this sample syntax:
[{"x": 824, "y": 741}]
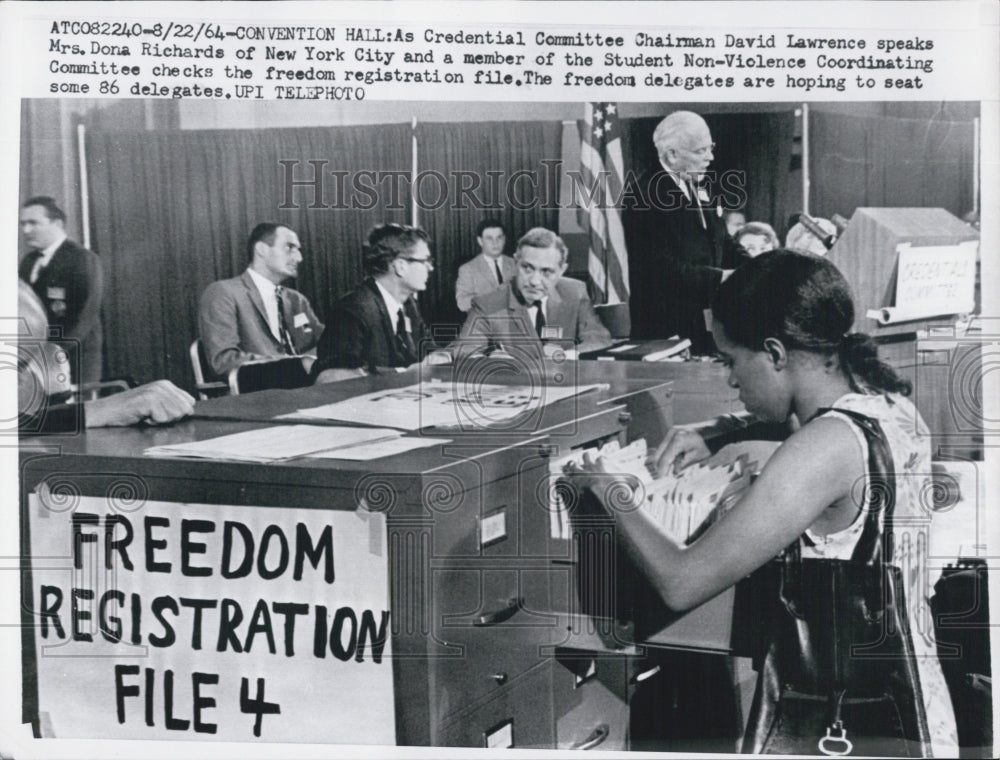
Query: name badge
[
  {"x": 551, "y": 333},
  {"x": 300, "y": 319},
  {"x": 56, "y": 294},
  {"x": 406, "y": 324}
]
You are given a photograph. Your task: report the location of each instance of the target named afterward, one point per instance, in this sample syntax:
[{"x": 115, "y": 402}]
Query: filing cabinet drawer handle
[
  {"x": 597, "y": 736},
  {"x": 504, "y": 613},
  {"x": 500, "y": 678},
  {"x": 624, "y": 418}
]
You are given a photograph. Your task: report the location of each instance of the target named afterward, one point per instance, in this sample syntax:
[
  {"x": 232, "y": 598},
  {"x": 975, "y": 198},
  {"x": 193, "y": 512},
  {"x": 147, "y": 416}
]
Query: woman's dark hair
[{"x": 805, "y": 302}]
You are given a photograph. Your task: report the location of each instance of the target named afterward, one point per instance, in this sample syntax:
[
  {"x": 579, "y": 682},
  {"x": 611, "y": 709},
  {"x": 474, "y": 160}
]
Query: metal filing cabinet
[{"x": 467, "y": 552}]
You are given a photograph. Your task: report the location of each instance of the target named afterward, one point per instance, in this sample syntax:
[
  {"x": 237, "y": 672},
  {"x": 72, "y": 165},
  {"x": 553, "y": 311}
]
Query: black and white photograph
[{"x": 390, "y": 381}]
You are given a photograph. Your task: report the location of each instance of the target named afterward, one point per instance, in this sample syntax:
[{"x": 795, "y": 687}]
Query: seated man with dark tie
[
  {"x": 254, "y": 317},
  {"x": 377, "y": 326},
  {"x": 539, "y": 312}
]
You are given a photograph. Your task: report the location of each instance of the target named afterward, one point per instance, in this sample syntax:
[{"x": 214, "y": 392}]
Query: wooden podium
[
  {"x": 927, "y": 349},
  {"x": 867, "y": 255}
]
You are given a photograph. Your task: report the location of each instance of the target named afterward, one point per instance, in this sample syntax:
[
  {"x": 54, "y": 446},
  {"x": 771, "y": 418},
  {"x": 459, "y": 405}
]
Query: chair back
[
  {"x": 207, "y": 384},
  {"x": 285, "y": 372}
]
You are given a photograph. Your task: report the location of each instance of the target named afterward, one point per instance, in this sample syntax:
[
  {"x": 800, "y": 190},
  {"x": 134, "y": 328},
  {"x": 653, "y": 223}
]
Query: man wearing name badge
[
  {"x": 253, "y": 316},
  {"x": 678, "y": 245},
  {"x": 487, "y": 271},
  {"x": 538, "y": 309},
  {"x": 68, "y": 280},
  {"x": 377, "y": 327}
]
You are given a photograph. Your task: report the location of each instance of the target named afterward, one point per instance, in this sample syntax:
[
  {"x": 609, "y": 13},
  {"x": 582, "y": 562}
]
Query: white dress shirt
[
  {"x": 45, "y": 258},
  {"x": 270, "y": 299},
  {"x": 392, "y": 306}
]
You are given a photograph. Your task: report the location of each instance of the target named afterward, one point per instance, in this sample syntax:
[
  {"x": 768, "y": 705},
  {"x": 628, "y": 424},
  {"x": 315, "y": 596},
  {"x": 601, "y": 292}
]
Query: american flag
[{"x": 597, "y": 213}]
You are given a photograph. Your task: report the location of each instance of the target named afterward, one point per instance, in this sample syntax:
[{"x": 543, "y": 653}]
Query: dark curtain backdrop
[
  {"x": 884, "y": 161},
  {"x": 171, "y": 213},
  {"x": 758, "y": 145},
  {"x": 528, "y": 193}
]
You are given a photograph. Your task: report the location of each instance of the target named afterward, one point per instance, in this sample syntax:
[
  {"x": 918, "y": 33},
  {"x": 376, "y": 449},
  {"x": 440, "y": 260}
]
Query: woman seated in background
[
  {"x": 755, "y": 238},
  {"x": 829, "y": 492}
]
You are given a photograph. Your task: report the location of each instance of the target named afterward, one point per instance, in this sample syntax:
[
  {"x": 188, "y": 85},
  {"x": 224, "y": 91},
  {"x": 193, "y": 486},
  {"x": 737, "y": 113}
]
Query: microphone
[{"x": 827, "y": 239}]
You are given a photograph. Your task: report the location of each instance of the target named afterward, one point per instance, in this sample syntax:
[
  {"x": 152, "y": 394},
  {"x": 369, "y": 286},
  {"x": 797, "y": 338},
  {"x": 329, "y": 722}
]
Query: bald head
[{"x": 684, "y": 143}]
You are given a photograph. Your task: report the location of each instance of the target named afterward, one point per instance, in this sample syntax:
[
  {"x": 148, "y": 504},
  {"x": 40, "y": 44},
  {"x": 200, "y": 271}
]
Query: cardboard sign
[
  {"x": 936, "y": 280},
  {"x": 194, "y": 622}
]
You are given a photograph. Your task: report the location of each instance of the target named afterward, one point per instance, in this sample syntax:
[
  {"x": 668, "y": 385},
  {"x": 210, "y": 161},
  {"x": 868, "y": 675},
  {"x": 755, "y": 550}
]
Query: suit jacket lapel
[
  {"x": 518, "y": 311},
  {"x": 554, "y": 308},
  {"x": 509, "y": 267},
  {"x": 254, "y": 295},
  {"x": 387, "y": 321},
  {"x": 486, "y": 267},
  {"x": 416, "y": 327}
]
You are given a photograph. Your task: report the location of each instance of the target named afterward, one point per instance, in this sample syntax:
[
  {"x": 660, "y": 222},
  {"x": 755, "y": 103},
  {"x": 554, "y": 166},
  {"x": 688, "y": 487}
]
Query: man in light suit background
[
  {"x": 68, "y": 280},
  {"x": 487, "y": 271},
  {"x": 539, "y": 310},
  {"x": 253, "y": 317}
]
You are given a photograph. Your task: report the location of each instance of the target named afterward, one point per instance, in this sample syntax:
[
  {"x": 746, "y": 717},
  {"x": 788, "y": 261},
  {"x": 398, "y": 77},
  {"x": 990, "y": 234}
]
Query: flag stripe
[{"x": 597, "y": 197}]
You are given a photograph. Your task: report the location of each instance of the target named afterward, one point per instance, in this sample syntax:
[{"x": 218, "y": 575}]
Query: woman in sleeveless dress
[{"x": 781, "y": 323}]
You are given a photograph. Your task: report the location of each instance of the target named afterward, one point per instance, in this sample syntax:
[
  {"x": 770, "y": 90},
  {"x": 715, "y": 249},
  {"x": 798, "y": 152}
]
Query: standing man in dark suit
[
  {"x": 377, "y": 325},
  {"x": 68, "y": 279},
  {"x": 254, "y": 317},
  {"x": 539, "y": 312},
  {"x": 487, "y": 271},
  {"x": 678, "y": 246}
]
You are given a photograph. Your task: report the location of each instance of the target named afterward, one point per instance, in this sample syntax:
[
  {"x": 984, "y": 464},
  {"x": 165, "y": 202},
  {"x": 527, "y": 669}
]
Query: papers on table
[
  {"x": 273, "y": 444},
  {"x": 448, "y": 405},
  {"x": 379, "y": 449},
  {"x": 672, "y": 349}
]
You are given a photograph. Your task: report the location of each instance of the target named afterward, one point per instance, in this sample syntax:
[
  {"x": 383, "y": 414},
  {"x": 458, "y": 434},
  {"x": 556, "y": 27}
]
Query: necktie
[
  {"x": 693, "y": 186},
  {"x": 496, "y": 263},
  {"x": 28, "y": 267},
  {"x": 402, "y": 333},
  {"x": 539, "y": 319},
  {"x": 286, "y": 336}
]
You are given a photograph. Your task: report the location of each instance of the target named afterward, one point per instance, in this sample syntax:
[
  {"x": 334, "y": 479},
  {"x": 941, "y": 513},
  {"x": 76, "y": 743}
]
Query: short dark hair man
[
  {"x": 539, "y": 308},
  {"x": 487, "y": 271},
  {"x": 253, "y": 317},
  {"x": 378, "y": 324},
  {"x": 68, "y": 279},
  {"x": 678, "y": 245}
]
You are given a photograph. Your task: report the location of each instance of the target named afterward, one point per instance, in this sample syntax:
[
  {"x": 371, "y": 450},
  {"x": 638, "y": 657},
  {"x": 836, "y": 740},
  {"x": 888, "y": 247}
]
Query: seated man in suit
[
  {"x": 377, "y": 325},
  {"x": 487, "y": 271},
  {"x": 539, "y": 310},
  {"x": 252, "y": 317}
]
